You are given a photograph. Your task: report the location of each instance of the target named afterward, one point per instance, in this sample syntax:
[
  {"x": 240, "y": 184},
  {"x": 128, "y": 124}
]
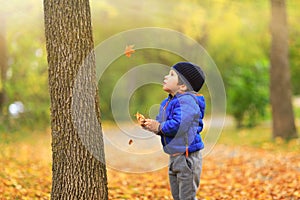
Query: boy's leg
[
  {"x": 196, "y": 158},
  {"x": 187, "y": 172},
  {"x": 173, "y": 179}
]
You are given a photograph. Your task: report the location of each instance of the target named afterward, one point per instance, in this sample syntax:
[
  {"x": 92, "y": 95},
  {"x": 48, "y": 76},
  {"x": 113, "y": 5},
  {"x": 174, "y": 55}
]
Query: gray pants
[{"x": 184, "y": 175}]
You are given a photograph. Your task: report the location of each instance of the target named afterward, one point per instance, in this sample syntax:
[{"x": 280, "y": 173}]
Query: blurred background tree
[
  {"x": 280, "y": 85},
  {"x": 248, "y": 97}
]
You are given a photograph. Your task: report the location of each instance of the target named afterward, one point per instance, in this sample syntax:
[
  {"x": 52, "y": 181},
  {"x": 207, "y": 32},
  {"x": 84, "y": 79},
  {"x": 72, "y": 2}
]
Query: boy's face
[{"x": 170, "y": 83}]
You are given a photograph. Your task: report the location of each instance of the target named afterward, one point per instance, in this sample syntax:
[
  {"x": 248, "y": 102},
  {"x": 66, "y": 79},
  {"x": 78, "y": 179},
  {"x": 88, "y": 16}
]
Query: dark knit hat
[{"x": 191, "y": 74}]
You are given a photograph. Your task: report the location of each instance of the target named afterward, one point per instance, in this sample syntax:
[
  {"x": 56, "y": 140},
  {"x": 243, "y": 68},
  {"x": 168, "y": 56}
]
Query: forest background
[{"x": 235, "y": 34}]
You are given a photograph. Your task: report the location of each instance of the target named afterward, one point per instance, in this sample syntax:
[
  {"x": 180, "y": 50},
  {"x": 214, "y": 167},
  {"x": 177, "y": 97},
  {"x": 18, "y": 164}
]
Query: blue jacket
[{"x": 181, "y": 119}]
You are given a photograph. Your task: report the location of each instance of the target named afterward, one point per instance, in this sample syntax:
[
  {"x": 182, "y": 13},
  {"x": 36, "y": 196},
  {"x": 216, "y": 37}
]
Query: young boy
[{"x": 179, "y": 124}]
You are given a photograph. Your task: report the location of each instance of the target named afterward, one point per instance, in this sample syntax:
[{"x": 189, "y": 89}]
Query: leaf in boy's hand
[
  {"x": 140, "y": 118},
  {"x": 129, "y": 50}
]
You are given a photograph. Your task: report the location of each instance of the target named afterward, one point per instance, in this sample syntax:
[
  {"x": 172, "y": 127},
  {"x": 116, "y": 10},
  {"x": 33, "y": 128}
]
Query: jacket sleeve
[
  {"x": 159, "y": 117},
  {"x": 185, "y": 111}
]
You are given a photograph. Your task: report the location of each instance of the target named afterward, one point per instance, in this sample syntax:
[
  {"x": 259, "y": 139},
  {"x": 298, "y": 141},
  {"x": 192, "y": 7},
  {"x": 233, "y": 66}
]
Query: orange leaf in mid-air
[
  {"x": 130, "y": 142},
  {"x": 140, "y": 118},
  {"x": 129, "y": 50}
]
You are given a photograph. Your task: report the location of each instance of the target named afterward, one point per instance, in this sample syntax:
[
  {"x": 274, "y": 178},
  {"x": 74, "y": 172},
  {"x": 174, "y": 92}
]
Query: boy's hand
[{"x": 152, "y": 125}]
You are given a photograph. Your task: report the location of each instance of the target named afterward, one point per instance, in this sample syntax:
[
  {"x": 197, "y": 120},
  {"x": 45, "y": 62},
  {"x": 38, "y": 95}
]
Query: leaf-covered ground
[{"x": 228, "y": 173}]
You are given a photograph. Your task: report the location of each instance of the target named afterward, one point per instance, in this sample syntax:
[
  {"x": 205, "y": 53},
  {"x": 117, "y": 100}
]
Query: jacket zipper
[{"x": 164, "y": 113}]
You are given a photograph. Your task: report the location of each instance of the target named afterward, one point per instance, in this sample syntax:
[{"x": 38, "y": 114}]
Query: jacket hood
[{"x": 199, "y": 98}]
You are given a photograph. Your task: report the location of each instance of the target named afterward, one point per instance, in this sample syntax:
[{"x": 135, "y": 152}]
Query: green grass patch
[
  {"x": 24, "y": 135},
  {"x": 258, "y": 137}
]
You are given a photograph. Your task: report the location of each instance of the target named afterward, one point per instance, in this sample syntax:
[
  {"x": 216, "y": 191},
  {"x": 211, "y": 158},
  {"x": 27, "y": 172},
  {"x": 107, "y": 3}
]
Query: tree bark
[
  {"x": 79, "y": 170},
  {"x": 280, "y": 85}
]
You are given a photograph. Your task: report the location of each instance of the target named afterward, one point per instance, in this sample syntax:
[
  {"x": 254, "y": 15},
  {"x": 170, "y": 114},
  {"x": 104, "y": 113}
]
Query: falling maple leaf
[
  {"x": 129, "y": 50},
  {"x": 130, "y": 142}
]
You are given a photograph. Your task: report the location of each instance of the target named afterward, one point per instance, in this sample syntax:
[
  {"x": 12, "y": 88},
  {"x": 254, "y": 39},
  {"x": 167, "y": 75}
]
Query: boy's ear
[{"x": 183, "y": 87}]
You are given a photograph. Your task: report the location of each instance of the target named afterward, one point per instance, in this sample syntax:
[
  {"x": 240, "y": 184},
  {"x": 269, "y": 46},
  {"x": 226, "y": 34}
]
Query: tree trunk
[
  {"x": 280, "y": 86},
  {"x": 79, "y": 170}
]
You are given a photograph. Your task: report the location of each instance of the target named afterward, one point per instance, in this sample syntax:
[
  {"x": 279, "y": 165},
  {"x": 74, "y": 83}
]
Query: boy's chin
[{"x": 166, "y": 89}]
